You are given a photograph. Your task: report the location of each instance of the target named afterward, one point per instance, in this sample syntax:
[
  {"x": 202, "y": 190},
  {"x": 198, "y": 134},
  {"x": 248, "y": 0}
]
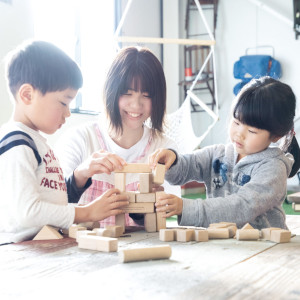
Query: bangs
[{"x": 254, "y": 111}]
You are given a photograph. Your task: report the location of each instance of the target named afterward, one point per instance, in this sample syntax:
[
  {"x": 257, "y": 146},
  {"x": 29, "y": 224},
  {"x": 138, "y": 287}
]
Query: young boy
[{"x": 43, "y": 81}]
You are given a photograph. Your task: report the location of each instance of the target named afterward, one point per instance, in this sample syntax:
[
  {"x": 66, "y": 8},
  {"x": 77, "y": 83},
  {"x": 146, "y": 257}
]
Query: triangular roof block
[{"x": 48, "y": 233}]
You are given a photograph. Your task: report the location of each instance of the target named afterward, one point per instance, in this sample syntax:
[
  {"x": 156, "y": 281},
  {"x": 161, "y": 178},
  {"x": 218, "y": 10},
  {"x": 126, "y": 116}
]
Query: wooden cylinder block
[
  {"x": 141, "y": 254},
  {"x": 247, "y": 234},
  {"x": 218, "y": 233}
]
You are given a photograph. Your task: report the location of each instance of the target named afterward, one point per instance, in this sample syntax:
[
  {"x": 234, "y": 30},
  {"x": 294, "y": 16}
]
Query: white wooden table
[{"x": 217, "y": 269}]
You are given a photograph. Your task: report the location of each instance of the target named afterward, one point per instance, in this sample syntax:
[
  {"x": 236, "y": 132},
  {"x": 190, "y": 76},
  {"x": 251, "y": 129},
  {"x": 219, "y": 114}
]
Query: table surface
[{"x": 217, "y": 269}]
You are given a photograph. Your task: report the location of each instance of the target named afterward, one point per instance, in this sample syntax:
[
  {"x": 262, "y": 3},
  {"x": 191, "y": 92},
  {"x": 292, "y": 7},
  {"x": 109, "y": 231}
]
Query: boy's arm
[{"x": 74, "y": 193}]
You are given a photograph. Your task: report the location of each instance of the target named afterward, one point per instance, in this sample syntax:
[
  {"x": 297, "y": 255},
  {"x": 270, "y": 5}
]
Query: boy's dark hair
[
  {"x": 44, "y": 66},
  {"x": 269, "y": 104},
  {"x": 138, "y": 67}
]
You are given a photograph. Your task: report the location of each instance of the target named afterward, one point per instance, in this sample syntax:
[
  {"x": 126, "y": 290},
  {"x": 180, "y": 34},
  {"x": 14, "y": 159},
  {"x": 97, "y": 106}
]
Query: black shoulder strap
[{"x": 16, "y": 138}]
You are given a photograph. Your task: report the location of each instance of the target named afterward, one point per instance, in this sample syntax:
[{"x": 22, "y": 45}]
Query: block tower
[{"x": 142, "y": 201}]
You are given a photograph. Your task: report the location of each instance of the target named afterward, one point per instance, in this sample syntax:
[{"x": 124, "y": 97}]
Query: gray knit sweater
[{"x": 250, "y": 191}]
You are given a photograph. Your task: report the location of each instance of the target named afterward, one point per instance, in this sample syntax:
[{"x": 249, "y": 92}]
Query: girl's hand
[
  {"x": 169, "y": 204},
  {"x": 99, "y": 162},
  {"x": 164, "y": 156},
  {"x": 108, "y": 204}
]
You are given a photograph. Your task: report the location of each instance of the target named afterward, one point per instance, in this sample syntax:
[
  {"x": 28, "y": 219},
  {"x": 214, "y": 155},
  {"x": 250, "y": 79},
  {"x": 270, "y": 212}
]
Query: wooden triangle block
[{"x": 48, "y": 233}]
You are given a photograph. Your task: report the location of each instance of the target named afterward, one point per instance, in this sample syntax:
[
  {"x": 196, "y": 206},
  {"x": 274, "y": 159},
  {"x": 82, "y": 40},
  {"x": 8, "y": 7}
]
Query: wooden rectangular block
[
  {"x": 266, "y": 232},
  {"x": 135, "y": 168},
  {"x": 98, "y": 243},
  {"x": 120, "y": 181},
  {"x": 185, "y": 235},
  {"x": 131, "y": 195},
  {"x": 166, "y": 235},
  {"x": 295, "y": 197},
  {"x": 141, "y": 207},
  {"x": 218, "y": 233},
  {"x": 249, "y": 234},
  {"x": 159, "y": 174},
  {"x": 201, "y": 235},
  {"x": 104, "y": 232},
  {"x": 145, "y": 185},
  {"x": 73, "y": 230},
  {"x": 149, "y": 197},
  {"x": 161, "y": 222},
  {"x": 120, "y": 221},
  {"x": 150, "y": 222},
  {"x": 280, "y": 236},
  {"x": 84, "y": 232}
]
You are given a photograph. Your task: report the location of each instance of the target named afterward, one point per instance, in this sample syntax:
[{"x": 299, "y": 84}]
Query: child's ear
[{"x": 25, "y": 93}]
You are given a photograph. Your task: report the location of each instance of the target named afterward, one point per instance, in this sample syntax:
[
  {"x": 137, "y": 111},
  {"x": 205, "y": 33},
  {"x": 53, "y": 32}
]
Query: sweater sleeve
[
  {"x": 265, "y": 191},
  {"x": 74, "y": 193}
]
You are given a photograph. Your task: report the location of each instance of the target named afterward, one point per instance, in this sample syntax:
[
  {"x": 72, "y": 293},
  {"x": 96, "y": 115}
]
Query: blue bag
[{"x": 255, "y": 66}]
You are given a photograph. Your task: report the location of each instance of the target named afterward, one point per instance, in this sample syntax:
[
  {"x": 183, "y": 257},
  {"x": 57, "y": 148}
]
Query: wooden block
[
  {"x": 232, "y": 230},
  {"x": 185, "y": 235},
  {"x": 296, "y": 207},
  {"x": 48, "y": 233},
  {"x": 150, "y": 222},
  {"x": 246, "y": 226},
  {"x": 266, "y": 232},
  {"x": 131, "y": 196},
  {"x": 99, "y": 243},
  {"x": 141, "y": 254},
  {"x": 295, "y": 197},
  {"x": 159, "y": 174},
  {"x": 145, "y": 185},
  {"x": 166, "y": 235},
  {"x": 135, "y": 168},
  {"x": 161, "y": 222},
  {"x": 105, "y": 232},
  {"x": 141, "y": 207},
  {"x": 280, "y": 236},
  {"x": 201, "y": 235},
  {"x": 120, "y": 221},
  {"x": 218, "y": 225},
  {"x": 218, "y": 233},
  {"x": 117, "y": 231},
  {"x": 120, "y": 181},
  {"x": 73, "y": 230},
  {"x": 84, "y": 232},
  {"x": 150, "y": 197},
  {"x": 249, "y": 234}
]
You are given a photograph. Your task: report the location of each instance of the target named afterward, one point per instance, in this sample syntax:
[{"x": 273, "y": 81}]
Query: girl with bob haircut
[
  {"x": 246, "y": 180},
  {"x": 130, "y": 129}
]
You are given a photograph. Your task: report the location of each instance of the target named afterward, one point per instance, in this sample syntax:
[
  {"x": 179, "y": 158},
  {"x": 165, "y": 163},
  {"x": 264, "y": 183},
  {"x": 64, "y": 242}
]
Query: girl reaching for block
[{"x": 245, "y": 180}]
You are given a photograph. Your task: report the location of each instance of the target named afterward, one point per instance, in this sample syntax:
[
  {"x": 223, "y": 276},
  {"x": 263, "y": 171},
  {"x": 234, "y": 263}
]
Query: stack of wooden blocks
[
  {"x": 295, "y": 200},
  {"x": 142, "y": 201},
  {"x": 224, "y": 230}
]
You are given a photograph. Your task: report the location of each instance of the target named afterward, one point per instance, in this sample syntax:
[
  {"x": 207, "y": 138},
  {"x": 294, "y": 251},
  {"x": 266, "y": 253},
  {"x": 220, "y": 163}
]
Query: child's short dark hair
[
  {"x": 140, "y": 67},
  {"x": 269, "y": 104},
  {"x": 44, "y": 66}
]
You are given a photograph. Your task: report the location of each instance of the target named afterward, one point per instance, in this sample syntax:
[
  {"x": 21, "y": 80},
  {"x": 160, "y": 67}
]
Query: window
[{"x": 84, "y": 30}]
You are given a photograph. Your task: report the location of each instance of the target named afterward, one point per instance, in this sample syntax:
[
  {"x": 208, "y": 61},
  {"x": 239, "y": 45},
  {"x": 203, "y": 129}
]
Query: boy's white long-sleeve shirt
[{"x": 32, "y": 194}]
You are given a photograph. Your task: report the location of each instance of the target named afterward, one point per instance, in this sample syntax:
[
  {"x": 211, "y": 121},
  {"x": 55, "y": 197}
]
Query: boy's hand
[
  {"x": 108, "y": 204},
  {"x": 99, "y": 162},
  {"x": 170, "y": 204},
  {"x": 164, "y": 156}
]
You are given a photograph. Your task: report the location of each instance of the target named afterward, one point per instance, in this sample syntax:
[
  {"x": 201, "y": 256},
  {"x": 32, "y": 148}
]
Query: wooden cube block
[
  {"x": 150, "y": 197},
  {"x": 201, "y": 235},
  {"x": 280, "y": 236},
  {"x": 120, "y": 221},
  {"x": 145, "y": 185},
  {"x": 296, "y": 206},
  {"x": 73, "y": 230},
  {"x": 266, "y": 232},
  {"x": 135, "y": 168},
  {"x": 117, "y": 231},
  {"x": 120, "y": 181},
  {"x": 185, "y": 235},
  {"x": 98, "y": 243},
  {"x": 150, "y": 222},
  {"x": 159, "y": 174},
  {"x": 218, "y": 233},
  {"x": 166, "y": 235}
]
